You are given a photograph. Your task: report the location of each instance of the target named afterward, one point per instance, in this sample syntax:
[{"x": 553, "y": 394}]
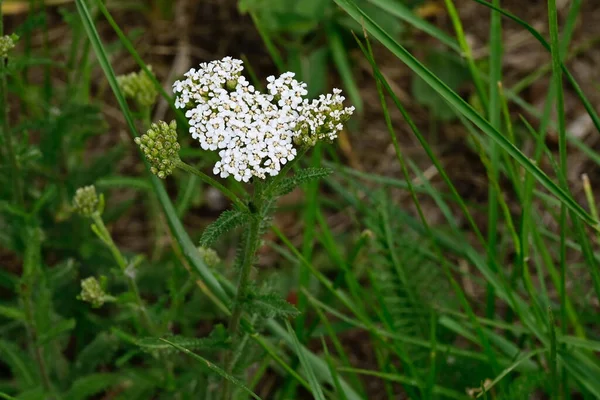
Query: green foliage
[
  {"x": 269, "y": 305},
  {"x": 227, "y": 221},
  {"x": 218, "y": 339},
  {"x": 287, "y": 185}
]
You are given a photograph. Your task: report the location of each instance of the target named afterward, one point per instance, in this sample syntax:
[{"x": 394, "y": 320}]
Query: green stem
[
  {"x": 250, "y": 246},
  {"x": 105, "y": 236},
  {"x": 8, "y": 140},
  {"x": 33, "y": 338},
  {"x": 212, "y": 182}
]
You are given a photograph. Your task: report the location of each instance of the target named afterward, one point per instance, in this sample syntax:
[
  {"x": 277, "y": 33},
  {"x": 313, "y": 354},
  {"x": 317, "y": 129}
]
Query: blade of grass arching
[
  {"x": 403, "y": 12},
  {"x": 213, "y": 367},
  {"x": 494, "y": 110},
  {"x": 562, "y": 150},
  {"x": 468, "y": 54},
  {"x": 508, "y": 370},
  {"x": 586, "y": 103},
  {"x": 399, "y": 155},
  {"x": 438, "y": 390},
  {"x": 462, "y": 106},
  {"x": 268, "y": 347},
  {"x": 332, "y": 371},
  {"x": 340, "y": 58},
  {"x": 317, "y": 391}
]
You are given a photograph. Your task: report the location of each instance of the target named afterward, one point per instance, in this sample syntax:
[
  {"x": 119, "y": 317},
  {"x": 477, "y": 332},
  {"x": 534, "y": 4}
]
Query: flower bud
[
  {"x": 139, "y": 87},
  {"x": 209, "y": 256},
  {"x": 93, "y": 293},
  {"x": 160, "y": 147},
  {"x": 7, "y": 43},
  {"x": 85, "y": 201}
]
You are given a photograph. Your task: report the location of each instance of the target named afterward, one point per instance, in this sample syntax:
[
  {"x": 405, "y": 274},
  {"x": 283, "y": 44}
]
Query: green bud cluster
[
  {"x": 7, "y": 43},
  {"x": 85, "y": 201},
  {"x": 139, "y": 87},
  {"x": 209, "y": 256},
  {"x": 160, "y": 147},
  {"x": 92, "y": 292}
]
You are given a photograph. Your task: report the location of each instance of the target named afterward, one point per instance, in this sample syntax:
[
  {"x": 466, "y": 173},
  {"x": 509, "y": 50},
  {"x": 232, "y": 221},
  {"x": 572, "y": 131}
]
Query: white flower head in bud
[
  {"x": 86, "y": 201},
  {"x": 254, "y": 133}
]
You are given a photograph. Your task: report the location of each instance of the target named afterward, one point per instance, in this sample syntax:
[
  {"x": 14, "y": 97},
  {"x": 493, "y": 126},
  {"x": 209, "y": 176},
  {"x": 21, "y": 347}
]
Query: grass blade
[
  {"x": 214, "y": 368},
  {"x": 317, "y": 392}
]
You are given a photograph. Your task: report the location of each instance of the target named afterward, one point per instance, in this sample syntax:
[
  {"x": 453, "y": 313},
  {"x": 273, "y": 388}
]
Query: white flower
[{"x": 254, "y": 133}]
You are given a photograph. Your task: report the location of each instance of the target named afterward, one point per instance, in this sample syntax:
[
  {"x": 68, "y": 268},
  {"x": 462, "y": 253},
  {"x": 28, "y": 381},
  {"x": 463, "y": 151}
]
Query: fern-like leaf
[
  {"x": 306, "y": 175},
  {"x": 269, "y": 305},
  {"x": 218, "y": 339},
  {"x": 227, "y": 221}
]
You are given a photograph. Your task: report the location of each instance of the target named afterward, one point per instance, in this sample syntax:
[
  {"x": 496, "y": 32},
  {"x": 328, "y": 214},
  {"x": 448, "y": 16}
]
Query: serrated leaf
[
  {"x": 227, "y": 221},
  {"x": 306, "y": 175},
  {"x": 269, "y": 305},
  {"x": 218, "y": 339}
]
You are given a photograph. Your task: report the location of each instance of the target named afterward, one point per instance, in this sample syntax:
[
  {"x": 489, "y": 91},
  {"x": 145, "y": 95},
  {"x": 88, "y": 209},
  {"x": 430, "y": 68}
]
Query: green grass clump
[{"x": 111, "y": 286}]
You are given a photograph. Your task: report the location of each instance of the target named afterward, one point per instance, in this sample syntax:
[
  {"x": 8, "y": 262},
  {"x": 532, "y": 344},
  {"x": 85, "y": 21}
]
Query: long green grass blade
[
  {"x": 463, "y": 107},
  {"x": 213, "y": 367},
  {"x": 317, "y": 392}
]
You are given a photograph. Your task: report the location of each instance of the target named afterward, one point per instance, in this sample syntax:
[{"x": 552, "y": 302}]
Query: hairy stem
[{"x": 251, "y": 244}]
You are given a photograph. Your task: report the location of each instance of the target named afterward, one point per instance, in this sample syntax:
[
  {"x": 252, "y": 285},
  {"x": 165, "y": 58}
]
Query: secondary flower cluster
[
  {"x": 85, "y": 201},
  {"x": 160, "y": 147},
  {"x": 254, "y": 132},
  {"x": 139, "y": 87},
  {"x": 7, "y": 43}
]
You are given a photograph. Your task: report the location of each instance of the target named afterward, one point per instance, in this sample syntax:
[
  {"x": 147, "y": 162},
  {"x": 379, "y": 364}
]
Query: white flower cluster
[{"x": 253, "y": 132}]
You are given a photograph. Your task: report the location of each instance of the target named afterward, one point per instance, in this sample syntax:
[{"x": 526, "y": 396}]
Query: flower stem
[
  {"x": 105, "y": 236},
  {"x": 33, "y": 338},
  {"x": 212, "y": 182},
  {"x": 251, "y": 244}
]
